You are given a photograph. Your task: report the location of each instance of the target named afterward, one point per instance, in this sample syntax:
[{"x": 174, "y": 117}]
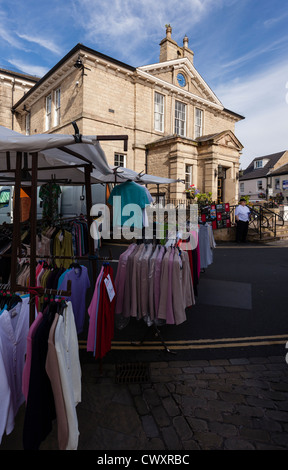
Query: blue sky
[{"x": 240, "y": 47}]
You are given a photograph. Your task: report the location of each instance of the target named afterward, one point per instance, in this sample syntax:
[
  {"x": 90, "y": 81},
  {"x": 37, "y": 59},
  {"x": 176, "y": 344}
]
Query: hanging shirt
[
  {"x": 52, "y": 369},
  {"x": 14, "y": 327},
  {"x": 67, "y": 350},
  {"x": 93, "y": 314},
  {"x": 62, "y": 246},
  {"x": 49, "y": 193},
  {"x": 130, "y": 193},
  {"x": 79, "y": 284}
]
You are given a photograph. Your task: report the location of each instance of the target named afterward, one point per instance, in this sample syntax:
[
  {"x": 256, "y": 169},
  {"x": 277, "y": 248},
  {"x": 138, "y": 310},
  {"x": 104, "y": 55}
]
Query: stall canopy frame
[{"x": 16, "y": 238}]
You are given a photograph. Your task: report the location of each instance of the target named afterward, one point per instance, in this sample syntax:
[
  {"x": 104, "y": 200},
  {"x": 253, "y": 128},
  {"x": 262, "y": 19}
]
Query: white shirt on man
[{"x": 242, "y": 212}]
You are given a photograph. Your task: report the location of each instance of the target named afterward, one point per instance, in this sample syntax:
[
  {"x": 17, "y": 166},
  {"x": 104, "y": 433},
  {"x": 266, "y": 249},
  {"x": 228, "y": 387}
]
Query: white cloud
[
  {"x": 30, "y": 69},
  {"x": 262, "y": 99},
  {"x": 46, "y": 43},
  {"x": 10, "y": 38},
  {"x": 131, "y": 27}
]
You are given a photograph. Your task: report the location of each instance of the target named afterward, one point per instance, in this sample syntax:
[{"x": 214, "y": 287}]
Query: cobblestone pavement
[{"x": 237, "y": 404}]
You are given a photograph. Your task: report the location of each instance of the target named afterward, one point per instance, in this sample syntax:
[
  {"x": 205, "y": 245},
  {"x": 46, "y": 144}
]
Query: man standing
[{"x": 242, "y": 214}]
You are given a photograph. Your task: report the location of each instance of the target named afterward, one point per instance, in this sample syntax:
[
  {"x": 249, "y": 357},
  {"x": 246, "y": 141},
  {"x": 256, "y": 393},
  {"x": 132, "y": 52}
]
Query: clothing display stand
[
  {"x": 16, "y": 238},
  {"x": 158, "y": 334}
]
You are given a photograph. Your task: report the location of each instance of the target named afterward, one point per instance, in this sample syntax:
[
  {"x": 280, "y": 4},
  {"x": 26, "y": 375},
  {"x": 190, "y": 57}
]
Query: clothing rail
[
  {"x": 39, "y": 291},
  {"x": 43, "y": 290}
]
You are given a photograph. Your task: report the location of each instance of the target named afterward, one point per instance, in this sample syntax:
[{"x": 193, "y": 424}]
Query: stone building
[
  {"x": 13, "y": 86},
  {"x": 266, "y": 177},
  {"x": 176, "y": 125}
]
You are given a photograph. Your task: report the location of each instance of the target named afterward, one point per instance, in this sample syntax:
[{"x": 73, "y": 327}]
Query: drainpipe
[
  {"x": 146, "y": 161},
  {"x": 12, "y": 99}
]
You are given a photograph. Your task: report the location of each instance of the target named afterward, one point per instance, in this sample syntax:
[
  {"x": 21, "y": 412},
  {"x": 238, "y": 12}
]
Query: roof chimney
[
  {"x": 168, "y": 31},
  {"x": 185, "y": 42}
]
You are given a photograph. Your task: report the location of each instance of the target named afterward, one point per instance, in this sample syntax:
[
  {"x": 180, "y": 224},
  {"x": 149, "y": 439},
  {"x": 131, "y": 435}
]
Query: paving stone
[
  {"x": 171, "y": 438},
  {"x": 278, "y": 415},
  {"x": 190, "y": 445},
  {"x": 184, "y": 390},
  {"x": 214, "y": 370},
  {"x": 209, "y": 415},
  {"x": 255, "y": 434},
  {"x": 232, "y": 397},
  {"x": 237, "y": 420},
  {"x": 238, "y": 444},
  {"x": 188, "y": 404},
  {"x": 269, "y": 425},
  {"x": 281, "y": 439},
  {"x": 219, "y": 362},
  {"x": 201, "y": 363},
  {"x": 249, "y": 411},
  {"x": 261, "y": 402},
  {"x": 223, "y": 429},
  {"x": 182, "y": 428},
  {"x": 205, "y": 393},
  {"x": 239, "y": 361},
  {"x": 151, "y": 397},
  {"x": 170, "y": 406},
  {"x": 149, "y": 426},
  {"x": 154, "y": 444},
  {"x": 141, "y": 405},
  {"x": 208, "y": 441},
  {"x": 221, "y": 405},
  {"x": 197, "y": 424},
  {"x": 160, "y": 415},
  {"x": 162, "y": 390}
]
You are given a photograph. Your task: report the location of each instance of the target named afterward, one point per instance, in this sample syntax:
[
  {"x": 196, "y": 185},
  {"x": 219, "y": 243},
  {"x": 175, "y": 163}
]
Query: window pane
[
  {"x": 57, "y": 106},
  {"x": 198, "y": 122},
  {"x": 48, "y": 112},
  {"x": 159, "y": 112},
  {"x": 188, "y": 176},
  {"x": 120, "y": 159},
  {"x": 180, "y": 118}
]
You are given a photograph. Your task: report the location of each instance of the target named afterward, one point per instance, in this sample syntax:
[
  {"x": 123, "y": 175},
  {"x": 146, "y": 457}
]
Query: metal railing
[{"x": 261, "y": 219}]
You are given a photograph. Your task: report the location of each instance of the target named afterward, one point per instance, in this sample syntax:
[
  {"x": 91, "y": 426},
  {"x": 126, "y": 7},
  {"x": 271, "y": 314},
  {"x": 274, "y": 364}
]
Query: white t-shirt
[{"x": 242, "y": 212}]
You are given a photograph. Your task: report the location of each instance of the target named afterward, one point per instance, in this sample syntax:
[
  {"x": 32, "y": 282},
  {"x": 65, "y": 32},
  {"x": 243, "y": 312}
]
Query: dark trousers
[{"x": 241, "y": 231}]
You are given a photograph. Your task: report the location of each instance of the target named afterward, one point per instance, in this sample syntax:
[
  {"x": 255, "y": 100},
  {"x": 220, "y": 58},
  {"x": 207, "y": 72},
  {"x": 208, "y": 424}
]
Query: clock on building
[{"x": 181, "y": 79}]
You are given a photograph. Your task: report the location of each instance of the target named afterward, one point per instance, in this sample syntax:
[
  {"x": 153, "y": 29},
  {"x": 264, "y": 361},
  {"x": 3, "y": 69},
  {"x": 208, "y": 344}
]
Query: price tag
[{"x": 109, "y": 287}]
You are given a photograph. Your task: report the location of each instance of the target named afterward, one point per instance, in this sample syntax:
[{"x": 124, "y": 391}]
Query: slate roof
[
  {"x": 282, "y": 170},
  {"x": 252, "y": 173}
]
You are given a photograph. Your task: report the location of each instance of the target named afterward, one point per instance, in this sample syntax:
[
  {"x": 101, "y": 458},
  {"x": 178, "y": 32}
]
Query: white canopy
[
  {"x": 121, "y": 174},
  {"x": 62, "y": 150},
  {"x": 53, "y": 150}
]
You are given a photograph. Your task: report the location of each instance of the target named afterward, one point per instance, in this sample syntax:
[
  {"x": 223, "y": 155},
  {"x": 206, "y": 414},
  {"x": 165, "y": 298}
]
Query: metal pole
[
  {"x": 33, "y": 223},
  {"x": 16, "y": 221},
  {"x": 87, "y": 170}
]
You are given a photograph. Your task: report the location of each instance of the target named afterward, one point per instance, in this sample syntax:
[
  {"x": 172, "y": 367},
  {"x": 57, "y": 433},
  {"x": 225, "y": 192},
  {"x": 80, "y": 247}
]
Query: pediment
[
  {"x": 225, "y": 139},
  {"x": 228, "y": 139},
  {"x": 196, "y": 85}
]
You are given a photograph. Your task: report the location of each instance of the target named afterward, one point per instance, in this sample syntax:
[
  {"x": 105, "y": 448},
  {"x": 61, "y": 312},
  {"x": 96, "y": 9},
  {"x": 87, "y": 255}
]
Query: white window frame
[
  {"x": 57, "y": 115},
  {"x": 180, "y": 118},
  {"x": 259, "y": 185},
  {"x": 120, "y": 159},
  {"x": 159, "y": 103},
  {"x": 242, "y": 187},
  {"x": 188, "y": 176},
  {"x": 258, "y": 164},
  {"x": 48, "y": 108},
  {"x": 198, "y": 127}
]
